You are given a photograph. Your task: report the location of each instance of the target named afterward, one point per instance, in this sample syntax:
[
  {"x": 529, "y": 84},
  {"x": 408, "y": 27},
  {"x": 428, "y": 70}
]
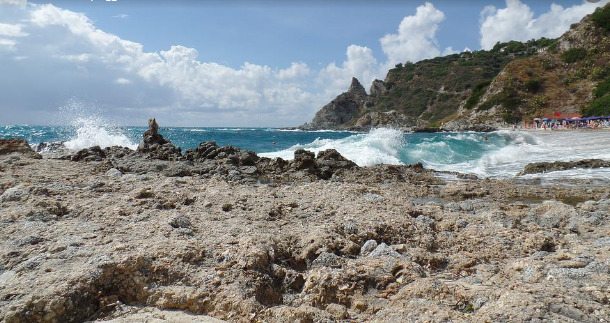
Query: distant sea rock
[
  {"x": 340, "y": 110},
  {"x": 544, "y": 167}
]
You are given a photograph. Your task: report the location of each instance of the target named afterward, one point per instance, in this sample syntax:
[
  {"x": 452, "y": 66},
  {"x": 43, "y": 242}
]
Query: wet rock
[
  {"x": 331, "y": 160},
  {"x": 303, "y": 159},
  {"x": 16, "y": 145},
  {"x": 545, "y": 167},
  {"x": 94, "y": 153}
]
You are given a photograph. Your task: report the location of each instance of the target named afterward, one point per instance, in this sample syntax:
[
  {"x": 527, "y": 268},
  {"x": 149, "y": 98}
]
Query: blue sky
[{"x": 235, "y": 63}]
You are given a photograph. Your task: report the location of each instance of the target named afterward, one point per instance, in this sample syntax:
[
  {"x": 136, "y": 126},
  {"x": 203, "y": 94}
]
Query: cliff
[
  {"x": 341, "y": 110},
  {"x": 481, "y": 90},
  {"x": 570, "y": 76}
]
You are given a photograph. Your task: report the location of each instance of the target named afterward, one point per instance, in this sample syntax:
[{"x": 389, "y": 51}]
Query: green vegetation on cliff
[
  {"x": 573, "y": 78},
  {"x": 434, "y": 89},
  {"x": 512, "y": 82}
]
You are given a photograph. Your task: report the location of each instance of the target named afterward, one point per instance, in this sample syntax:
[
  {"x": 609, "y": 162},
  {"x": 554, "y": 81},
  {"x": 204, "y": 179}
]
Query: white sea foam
[
  {"x": 90, "y": 128},
  {"x": 92, "y": 131},
  {"x": 379, "y": 146}
]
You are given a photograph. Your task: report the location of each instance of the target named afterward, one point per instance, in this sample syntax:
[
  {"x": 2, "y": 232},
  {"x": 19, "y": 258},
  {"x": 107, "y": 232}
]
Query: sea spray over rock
[
  {"x": 88, "y": 128},
  {"x": 94, "y": 132},
  {"x": 379, "y": 146}
]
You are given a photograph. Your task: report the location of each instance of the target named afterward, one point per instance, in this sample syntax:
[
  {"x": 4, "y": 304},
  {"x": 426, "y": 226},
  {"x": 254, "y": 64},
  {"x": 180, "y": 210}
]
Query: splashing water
[
  {"x": 379, "y": 146},
  {"x": 91, "y": 132},
  {"x": 90, "y": 129}
]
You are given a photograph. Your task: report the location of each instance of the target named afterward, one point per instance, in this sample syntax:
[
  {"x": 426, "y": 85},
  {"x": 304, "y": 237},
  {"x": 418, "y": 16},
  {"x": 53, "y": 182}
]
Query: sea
[{"x": 500, "y": 154}]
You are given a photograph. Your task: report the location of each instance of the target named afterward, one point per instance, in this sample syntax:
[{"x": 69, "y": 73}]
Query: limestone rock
[
  {"x": 544, "y": 167},
  {"x": 341, "y": 110},
  {"x": 156, "y": 146},
  {"x": 16, "y": 145}
]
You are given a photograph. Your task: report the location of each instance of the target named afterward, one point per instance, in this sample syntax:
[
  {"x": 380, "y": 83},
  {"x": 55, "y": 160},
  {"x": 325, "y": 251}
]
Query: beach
[{"x": 120, "y": 235}]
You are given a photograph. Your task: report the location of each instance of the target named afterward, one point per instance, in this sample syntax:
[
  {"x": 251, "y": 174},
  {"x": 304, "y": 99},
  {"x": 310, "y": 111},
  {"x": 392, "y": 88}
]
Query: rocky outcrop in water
[
  {"x": 339, "y": 111},
  {"x": 156, "y": 146},
  {"x": 545, "y": 167}
]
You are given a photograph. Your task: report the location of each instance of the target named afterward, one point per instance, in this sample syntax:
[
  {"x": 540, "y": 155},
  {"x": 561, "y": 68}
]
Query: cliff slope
[{"x": 511, "y": 83}]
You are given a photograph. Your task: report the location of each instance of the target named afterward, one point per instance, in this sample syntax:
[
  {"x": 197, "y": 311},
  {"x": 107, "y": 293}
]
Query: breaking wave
[{"x": 379, "y": 146}]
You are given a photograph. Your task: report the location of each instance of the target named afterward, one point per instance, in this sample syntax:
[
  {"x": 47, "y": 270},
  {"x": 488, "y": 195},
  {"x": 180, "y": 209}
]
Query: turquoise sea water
[{"x": 499, "y": 154}]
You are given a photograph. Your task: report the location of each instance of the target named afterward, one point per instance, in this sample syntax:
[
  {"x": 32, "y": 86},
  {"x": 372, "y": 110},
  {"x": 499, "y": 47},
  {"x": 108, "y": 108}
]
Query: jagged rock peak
[
  {"x": 377, "y": 88},
  {"x": 356, "y": 87}
]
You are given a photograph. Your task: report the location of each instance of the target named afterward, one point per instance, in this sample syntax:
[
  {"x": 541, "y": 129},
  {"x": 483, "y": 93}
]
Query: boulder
[
  {"x": 544, "y": 167},
  {"x": 17, "y": 145}
]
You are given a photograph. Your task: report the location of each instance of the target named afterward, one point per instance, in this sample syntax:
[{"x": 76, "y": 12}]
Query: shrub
[
  {"x": 574, "y": 55},
  {"x": 599, "y": 107},
  {"x": 533, "y": 85},
  {"x": 601, "y": 18},
  {"x": 602, "y": 89},
  {"x": 477, "y": 93}
]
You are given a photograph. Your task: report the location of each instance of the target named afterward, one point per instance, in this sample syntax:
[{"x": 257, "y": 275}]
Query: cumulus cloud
[
  {"x": 88, "y": 62},
  {"x": 416, "y": 37},
  {"x": 20, "y": 3},
  {"x": 9, "y": 30},
  {"x": 296, "y": 70},
  {"x": 360, "y": 63},
  {"x": 517, "y": 21},
  {"x": 55, "y": 54}
]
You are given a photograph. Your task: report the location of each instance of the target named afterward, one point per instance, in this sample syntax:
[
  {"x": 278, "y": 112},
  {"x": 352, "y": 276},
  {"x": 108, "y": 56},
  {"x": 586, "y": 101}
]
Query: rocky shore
[{"x": 218, "y": 233}]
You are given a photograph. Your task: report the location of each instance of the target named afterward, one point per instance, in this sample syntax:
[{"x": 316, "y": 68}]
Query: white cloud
[
  {"x": 296, "y": 70},
  {"x": 517, "y": 21},
  {"x": 416, "y": 37},
  {"x": 122, "y": 81},
  {"x": 7, "y": 44},
  {"x": 20, "y": 3},
  {"x": 59, "y": 54},
  {"x": 9, "y": 30},
  {"x": 360, "y": 63},
  {"x": 121, "y": 16},
  {"x": 82, "y": 58}
]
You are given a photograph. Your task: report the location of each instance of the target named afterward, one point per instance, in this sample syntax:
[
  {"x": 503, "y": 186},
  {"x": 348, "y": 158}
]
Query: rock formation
[
  {"x": 134, "y": 238},
  {"x": 155, "y": 145},
  {"x": 543, "y": 167},
  {"x": 16, "y": 145},
  {"x": 341, "y": 110}
]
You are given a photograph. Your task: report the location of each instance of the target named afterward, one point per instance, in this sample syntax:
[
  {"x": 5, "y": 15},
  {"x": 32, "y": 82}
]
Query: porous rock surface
[
  {"x": 543, "y": 167},
  {"x": 222, "y": 234}
]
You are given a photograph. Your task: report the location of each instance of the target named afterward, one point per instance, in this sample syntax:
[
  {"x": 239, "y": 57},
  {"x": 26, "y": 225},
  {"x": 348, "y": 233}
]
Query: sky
[{"x": 266, "y": 63}]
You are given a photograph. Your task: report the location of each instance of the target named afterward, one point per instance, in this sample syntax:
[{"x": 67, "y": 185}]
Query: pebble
[{"x": 368, "y": 247}]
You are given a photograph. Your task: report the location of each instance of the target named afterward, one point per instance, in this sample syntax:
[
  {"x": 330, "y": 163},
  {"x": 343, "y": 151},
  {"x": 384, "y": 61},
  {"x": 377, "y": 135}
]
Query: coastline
[{"x": 129, "y": 235}]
